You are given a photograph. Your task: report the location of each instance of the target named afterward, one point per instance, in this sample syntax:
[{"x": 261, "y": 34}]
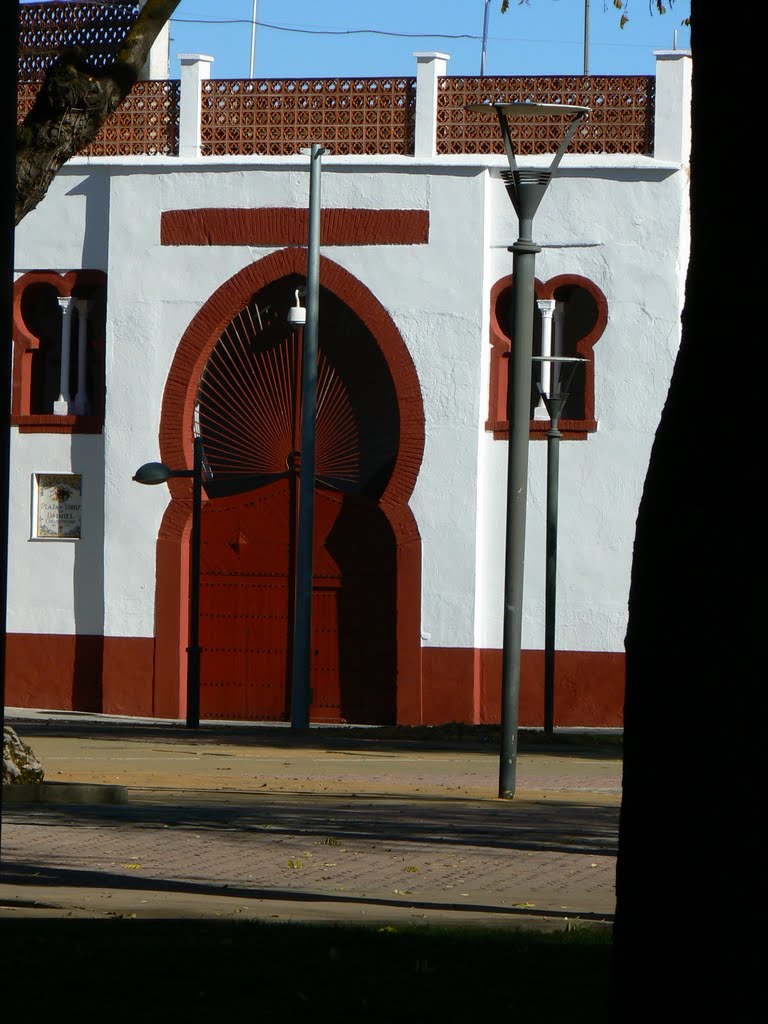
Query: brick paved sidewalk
[{"x": 327, "y": 831}]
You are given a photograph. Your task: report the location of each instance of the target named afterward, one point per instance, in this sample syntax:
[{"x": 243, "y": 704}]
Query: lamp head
[
  {"x": 526, "y": 188},
  {"x": 504, "y": 111},
  {"x": 153, "y": 473},
  {"x": 528, "y": 109}
]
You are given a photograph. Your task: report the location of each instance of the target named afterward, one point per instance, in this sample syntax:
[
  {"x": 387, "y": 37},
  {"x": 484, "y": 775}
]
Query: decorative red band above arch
[{"x": 285, "y": 226}]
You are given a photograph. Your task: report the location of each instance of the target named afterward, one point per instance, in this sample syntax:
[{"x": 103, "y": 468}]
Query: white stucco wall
[
  {"x": 55, "y": 586},
  {"x": 69, "y": 228},
  {"x": 615, "y": 221},
  {"x": 620, "y": 228}
]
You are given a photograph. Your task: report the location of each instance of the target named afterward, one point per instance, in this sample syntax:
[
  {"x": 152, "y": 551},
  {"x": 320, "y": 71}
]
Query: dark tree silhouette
[
  {"x": 74, "y": 101},
  {"x": 685, "y": 871}
]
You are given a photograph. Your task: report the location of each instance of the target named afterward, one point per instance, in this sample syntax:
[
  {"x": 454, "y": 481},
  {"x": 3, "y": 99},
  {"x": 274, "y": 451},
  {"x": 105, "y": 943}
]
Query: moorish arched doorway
[{"x": 242, "y": 392}]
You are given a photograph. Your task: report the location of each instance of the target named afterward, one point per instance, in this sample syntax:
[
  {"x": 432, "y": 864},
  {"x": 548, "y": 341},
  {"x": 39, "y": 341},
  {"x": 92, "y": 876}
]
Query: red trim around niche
[
  {"x": 576, "y": 430},
  {"x": 26, "y": 344}
]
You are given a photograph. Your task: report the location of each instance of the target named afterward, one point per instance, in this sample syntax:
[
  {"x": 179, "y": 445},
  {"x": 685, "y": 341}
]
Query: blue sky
[{"x": 324, "y": 38}]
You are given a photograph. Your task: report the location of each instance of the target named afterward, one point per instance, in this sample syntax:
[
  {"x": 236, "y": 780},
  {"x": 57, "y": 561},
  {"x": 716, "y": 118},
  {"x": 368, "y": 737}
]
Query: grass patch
[{"x": 203, "y": 970}]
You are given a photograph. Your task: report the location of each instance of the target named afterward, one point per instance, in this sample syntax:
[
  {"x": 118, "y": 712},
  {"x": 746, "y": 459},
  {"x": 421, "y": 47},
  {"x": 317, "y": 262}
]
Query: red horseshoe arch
[{"x": 175, "y": 439}]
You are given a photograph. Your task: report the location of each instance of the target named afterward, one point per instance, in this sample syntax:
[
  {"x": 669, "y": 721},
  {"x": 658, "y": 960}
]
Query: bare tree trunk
[
  {"x": 74, "y": 101},
  {"x": 9, "y": 35},
  {"x": 682, "y": 853}
]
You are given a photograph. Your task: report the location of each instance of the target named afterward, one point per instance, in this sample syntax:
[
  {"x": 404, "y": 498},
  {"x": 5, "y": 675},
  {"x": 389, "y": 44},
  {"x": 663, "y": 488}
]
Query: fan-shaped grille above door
[{"x": 250, "y": 395}]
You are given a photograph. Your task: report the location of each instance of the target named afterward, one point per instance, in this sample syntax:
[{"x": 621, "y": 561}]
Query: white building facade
[{"x": 152, "y": 297}]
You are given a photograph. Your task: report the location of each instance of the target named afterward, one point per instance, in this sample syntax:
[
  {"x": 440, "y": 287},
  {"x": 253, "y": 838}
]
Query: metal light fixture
[
  {"x": 526, "y": 188},
  {"x": 152, "y": 473}
]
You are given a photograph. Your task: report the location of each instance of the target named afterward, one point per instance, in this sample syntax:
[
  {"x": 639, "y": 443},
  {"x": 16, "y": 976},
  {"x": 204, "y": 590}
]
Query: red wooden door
[
  {"x": 250, "y": 420},
  {"x": 246, "y": 608}
]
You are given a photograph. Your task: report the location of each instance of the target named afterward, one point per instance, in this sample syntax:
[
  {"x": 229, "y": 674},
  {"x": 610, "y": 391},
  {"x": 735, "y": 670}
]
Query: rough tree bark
[
  {"x": 686, "y": 874},
  {"x": 74, "y": 101}
]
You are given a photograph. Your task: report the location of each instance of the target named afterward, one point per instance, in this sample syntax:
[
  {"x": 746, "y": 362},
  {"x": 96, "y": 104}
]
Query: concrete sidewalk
[{"x": 237, "y": 820}]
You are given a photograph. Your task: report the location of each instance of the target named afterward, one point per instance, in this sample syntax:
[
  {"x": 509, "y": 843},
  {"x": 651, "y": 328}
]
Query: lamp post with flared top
[{"x": 526, "y": 188}]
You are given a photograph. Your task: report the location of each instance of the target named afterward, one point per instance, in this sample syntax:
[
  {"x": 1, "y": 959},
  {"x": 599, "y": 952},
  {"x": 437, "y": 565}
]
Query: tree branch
[{"x": 73, "y": 103}]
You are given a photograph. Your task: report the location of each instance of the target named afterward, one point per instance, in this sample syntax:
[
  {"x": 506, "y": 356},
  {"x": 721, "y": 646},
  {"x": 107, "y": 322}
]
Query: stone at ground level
[{"x": 19, "y": 762}]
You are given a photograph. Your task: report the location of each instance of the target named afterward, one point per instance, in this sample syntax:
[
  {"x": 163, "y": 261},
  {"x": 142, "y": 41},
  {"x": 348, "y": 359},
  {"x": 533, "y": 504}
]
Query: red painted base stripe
[{"x": 114, "y": 675}]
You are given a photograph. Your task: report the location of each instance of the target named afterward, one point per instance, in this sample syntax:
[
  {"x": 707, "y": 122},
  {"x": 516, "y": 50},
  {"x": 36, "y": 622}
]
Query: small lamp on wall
[{"x": 297, "y": 314}]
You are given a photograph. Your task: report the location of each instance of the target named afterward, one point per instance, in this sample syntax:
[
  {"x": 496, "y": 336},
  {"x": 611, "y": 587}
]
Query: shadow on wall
[
  {"x": 87, "y": 455},
  {"x": 362, "y": 545},
  {"x": 95, "y": 189}
]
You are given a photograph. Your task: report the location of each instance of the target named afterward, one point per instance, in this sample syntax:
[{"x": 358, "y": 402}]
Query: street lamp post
[
  {"x": 586, "y": 38},
  {"x": 158, "y": 473},
  {"x": 253, "y": 35},
  {"x": 526, "y": 188},
  {"x": 486, "y": 12},
  {"x": 554, "y": 393},
  {"x": 301, "y": 689}
]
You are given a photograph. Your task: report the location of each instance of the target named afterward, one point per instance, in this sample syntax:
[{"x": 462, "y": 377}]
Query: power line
[
  {"x": 396, "y": 35},
  {"x": 323, "y": 31}
]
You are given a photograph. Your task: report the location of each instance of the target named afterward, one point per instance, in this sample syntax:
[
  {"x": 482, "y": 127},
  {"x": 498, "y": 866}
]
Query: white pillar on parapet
[
  {"x": 672, "y": 118},
  {"x": 61, "y": 407},
  {"x": 429, "y": 68},
  {"x": 195, "y": 69},
  {"x": 81, "y": 398}
]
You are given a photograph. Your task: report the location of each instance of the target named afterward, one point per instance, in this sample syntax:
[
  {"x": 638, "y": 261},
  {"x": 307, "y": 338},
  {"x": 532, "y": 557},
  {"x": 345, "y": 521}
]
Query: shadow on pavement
[
  {"x": 551, "y": 826},
  {"x": 485, "y": 739},
  {"x": 57, "y": 878}
]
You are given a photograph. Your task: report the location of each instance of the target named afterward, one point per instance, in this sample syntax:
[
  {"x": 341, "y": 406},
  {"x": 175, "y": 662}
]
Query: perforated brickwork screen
[
  {"x": 46, "y": 29},
  {"x": 276, "y": 117},
  {"x": 146, "y": 123},
  {"x": 621, "y": 118}
]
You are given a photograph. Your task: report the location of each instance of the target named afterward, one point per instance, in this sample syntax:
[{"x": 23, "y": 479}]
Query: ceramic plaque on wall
[{"x": 58, "y": 506}]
